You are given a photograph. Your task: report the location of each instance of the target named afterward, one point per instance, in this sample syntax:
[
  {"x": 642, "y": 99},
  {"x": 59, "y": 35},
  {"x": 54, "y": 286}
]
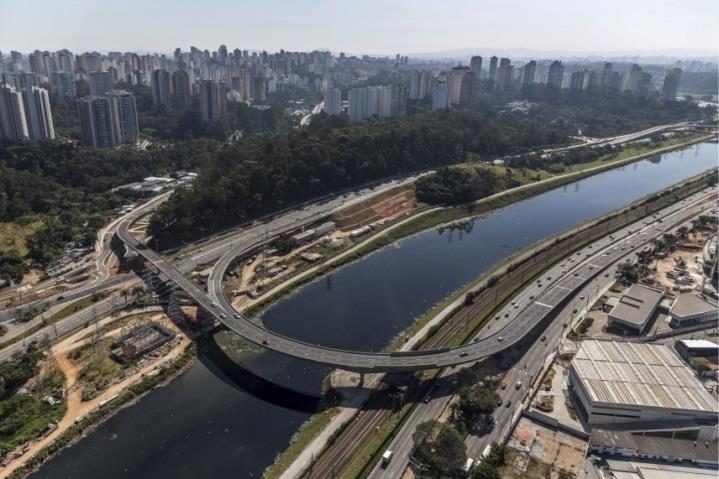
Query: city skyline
[{"x": 377, "y": 28}]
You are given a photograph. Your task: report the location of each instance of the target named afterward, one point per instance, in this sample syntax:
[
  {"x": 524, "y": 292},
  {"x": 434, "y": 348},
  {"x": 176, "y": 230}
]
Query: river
[{"x": 214, "y": 422}]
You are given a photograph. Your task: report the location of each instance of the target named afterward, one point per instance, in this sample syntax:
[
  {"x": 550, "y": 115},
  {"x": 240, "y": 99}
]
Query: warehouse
[
  {"x": 625, "y": 384},
  {"x": 635, "y": 308},
  {"x": 691, "y": 308}
]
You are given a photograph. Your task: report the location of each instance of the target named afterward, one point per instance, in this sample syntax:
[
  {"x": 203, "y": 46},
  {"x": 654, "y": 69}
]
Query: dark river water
[{"x": 217, "y": 420}]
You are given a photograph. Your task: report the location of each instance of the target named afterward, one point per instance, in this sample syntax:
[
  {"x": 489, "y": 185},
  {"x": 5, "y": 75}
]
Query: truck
[
  {"x": 386, "y": 457},
  {"x": 468, "y": 465}
]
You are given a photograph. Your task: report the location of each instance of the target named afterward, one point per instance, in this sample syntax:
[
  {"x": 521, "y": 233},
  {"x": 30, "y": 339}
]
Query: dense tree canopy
[
  {"x": 262, "y": 175},
  {"x": 440, "y": 449}
]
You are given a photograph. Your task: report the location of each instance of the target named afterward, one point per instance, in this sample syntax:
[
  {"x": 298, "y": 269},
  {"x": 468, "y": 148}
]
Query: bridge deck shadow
[{"x": 241, "y": 378}]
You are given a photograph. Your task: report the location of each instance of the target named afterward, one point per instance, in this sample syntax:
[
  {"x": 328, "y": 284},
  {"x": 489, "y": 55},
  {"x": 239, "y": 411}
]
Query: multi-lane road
[
  {"x": 504, "y": 335},
  {"x": 603, "y": 257}
]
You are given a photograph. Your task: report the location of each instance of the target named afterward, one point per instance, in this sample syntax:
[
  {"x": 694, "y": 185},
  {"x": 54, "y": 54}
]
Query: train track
[{"x": 379, "y": 409}]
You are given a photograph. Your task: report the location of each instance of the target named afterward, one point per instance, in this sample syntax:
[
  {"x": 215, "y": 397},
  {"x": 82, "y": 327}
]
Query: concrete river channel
[{"x": 220, "y": 419}]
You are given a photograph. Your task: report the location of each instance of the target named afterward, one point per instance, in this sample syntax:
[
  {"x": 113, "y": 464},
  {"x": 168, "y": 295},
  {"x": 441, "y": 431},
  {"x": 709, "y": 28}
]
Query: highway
[
  {"x": 531, "y": 361},
  {"x": 215, "y": 303}
]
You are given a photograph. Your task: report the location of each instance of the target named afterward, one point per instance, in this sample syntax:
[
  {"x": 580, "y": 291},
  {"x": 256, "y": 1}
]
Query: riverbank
[
  {"x": 82, "y": 417},
  {"x": 457, "y": 299},
  {"x": 425, "y": 219}
]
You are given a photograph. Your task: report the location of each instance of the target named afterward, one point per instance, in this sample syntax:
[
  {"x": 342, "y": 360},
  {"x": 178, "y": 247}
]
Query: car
[
  {"x": 426, "y": 399},
  {"x": 564, "y": 325},
  {"x": 214, "y": 305},
  {"x": 516, "y": 306},
  {"x": 606, "y": 275},
  {"x": 576, "y": 274},
  {"x": 266, "y": 342},
  {"x": 506, "y": 315},
  {"x": 531, "y": 296},
  {"x": 463, "y": 354},
  {"x": 513, "y": 302},
  {"x": 581, "y": 297},
  {"x": 503, "y": 386},
  {"x": 222, "y": 315},
  {"x": 386, "y": 457},
  {"x": 500, "y": 339},
  {"x": 237, "y": 316},
  {"x": 499, "y": 402},
  {"x": 509, "y": 403},
  {"x": 544, "y": 338},
  {"x": 518, "y": 386},
  {"x": 497, "y": 317},
  {"x": 549, "y": 278},
  {"x": 574, "y": 311}
]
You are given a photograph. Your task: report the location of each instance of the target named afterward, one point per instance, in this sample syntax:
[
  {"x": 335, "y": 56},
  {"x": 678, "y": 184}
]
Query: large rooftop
[
  {"x": 691, "y": 304},
  {"x": 635, "y": 374},
  {"x": 636, "y": 305}
]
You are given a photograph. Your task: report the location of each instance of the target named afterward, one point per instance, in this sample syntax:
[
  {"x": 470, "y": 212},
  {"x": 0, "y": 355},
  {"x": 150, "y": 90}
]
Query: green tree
[{"x": 440, "y": 449}]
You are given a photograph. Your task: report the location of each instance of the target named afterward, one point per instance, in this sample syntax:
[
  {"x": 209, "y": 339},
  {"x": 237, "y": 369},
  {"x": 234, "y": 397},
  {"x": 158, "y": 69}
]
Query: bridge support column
[{"x": 361, "y": 380}]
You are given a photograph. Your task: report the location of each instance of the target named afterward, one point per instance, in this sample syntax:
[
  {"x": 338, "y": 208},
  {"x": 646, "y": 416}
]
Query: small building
[
  {"x": 635, "y": 308},
  {"x": 634, "y": 385},
  {"x": 692, "y": 308},
  {"x": 140, "y": 340},
  {"x": 610, "y": 303},
  {"x": 654, "y": 447},
  {"x": 697, "y": 348},
  {"x": 325, "y": 228},
  {"x": 311, "y": 257},
  {"x": 304, "y": 237}
]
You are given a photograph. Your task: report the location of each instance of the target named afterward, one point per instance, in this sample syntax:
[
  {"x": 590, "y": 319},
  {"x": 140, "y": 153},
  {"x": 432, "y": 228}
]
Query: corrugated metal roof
[{"x": 637, "y": 374}]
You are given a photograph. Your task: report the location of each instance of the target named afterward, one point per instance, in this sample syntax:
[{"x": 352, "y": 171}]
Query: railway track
[{"x": 337, "y": 455}]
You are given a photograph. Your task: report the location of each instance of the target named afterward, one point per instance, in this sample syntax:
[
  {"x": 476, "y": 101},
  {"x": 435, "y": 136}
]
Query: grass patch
[
  {"x": 76, "y": 431},
  {"x": 13, "y": 236},
  {"x": 24, "y": 417},
  {"x": 307, "y": 432},
  {"x": 78, "y": 305}
]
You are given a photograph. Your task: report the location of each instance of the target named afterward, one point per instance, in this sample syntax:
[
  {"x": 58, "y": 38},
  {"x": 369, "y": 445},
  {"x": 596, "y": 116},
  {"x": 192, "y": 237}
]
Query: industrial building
[
  {"x": 692, "y": 308},
  {"x": 635, "y": 308},
  {"x": 310, "y": 234},
  {"x": 697, "y": 348},
  {"x": 639, "y": 387}
]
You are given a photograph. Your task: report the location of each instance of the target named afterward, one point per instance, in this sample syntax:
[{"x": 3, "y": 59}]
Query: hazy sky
[{"x": 359, "y": 26}]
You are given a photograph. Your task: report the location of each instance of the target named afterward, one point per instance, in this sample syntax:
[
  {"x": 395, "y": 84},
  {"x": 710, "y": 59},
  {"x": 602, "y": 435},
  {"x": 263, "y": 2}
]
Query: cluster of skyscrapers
[
  {"x": 109, "y": 115},
  {"x": 25, "y": 113}
]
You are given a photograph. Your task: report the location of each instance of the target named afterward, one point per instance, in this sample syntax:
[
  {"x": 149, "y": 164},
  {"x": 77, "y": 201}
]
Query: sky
[{"x": 360, "y": 26}]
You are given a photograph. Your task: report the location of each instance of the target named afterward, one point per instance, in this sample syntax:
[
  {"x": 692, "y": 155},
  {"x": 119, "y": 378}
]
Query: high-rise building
[
  {"x": 420, "y": 84},
  {"x": 95, "y": 121},
  {"x": 62, "y": 84},
  {"x": 124, "y": 117},
  {"x": 461, "y": 86},
  {"x": 25, "y": 80},
  {"x": 161, "y": 90},
  {"x": 108, "y": 120},
  {"x": 258, "y": 88},
  {"x": 504, "y": 74},
  {"x": 181, "y": 90},
  {"x": 100, "y": 83},
  {"x": 579, "y": 80},
  {"x": 440, "y": 93},
  {"x": 13, "y": 124},
  {"x": 555, "y": 76},
  {"x": 476, "y": 65},
  {"x": 493, "y": 69},
  {"x": 357, "y": 108},
  {"x": 38, "y": 114},
  {"x": 671, "y": 84},
  {"x": 382, "y": 101},
  {"x": 213, "y": 100},
  {"x": 332, "y": 101},
  {"x": 530, "y": 70}
]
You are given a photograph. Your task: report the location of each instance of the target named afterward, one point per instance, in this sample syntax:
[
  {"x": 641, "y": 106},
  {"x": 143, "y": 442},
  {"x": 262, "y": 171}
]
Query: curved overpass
[{"x": 531, "y": 315}]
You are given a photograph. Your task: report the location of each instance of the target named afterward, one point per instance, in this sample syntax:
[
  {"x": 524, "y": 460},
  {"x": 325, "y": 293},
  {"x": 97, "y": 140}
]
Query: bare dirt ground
[
  {"x": 78, "y": 408},
  {"x": 536, "y": 452}
]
